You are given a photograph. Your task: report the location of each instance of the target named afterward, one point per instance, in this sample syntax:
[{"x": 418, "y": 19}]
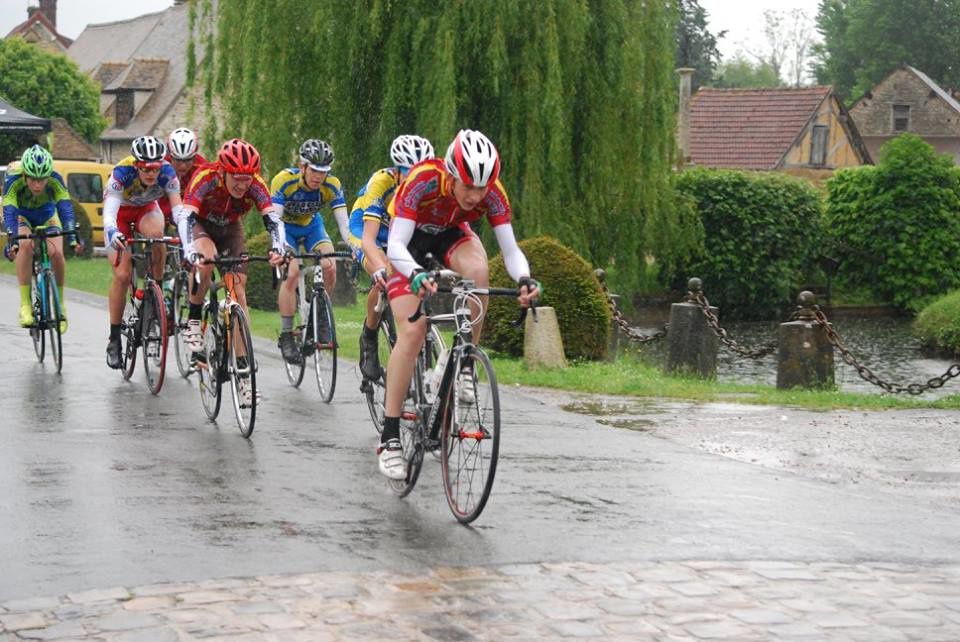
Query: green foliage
[
  {"x": 260, "y": 291},
  {"x": 84, "y": 231},
  {"x": 578, "y": 96},
  {"x": 896, "y": 226},
  {"x": 569, "y": 287},
  {"x": 864, "y": 40},
  {"x": 938, "y": 324},
  {"x": 696, "y": 46},
  {"x": 740, "y": 72},
  {"x": 47, "y": 85},
  {"x": 762, "y": 234}
]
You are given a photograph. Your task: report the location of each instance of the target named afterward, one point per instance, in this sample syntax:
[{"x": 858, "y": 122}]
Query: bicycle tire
[
  {"x": 411, "y": 435},
  {"x": 154, "y": 337},
  {"x": 181, "y": 311},
  {"x": 295, "y": 371},
  {"x": 325, "y": 348},
  {"x": 52, "y": 317},
  {"x": 37, "y": 334},
  {"x": 129, "y": 338},
  {"x": 240, "y": 337},
  {"x": 470, "y": 436},
  {"x": 375, "y": 391},
  {"x": 209, "y": 378}
]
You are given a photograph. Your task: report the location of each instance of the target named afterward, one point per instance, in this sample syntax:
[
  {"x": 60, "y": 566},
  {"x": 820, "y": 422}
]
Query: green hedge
[
  {"x": 260, "y": 291},
  {"x": 938, "y": 324},
  {"x": 569, "y": 287},
  {"x": 896, "y": 227},
  {"x": 762, "y": 234}
]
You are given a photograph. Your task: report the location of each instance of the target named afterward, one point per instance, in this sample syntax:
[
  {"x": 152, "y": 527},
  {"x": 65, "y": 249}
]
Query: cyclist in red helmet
[
  {"x": 431, "y": 213},
  {"x": 218, "y": 197}
]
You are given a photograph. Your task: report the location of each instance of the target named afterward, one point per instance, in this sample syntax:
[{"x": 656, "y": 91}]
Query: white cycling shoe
[{"x": 390, "y": 460}]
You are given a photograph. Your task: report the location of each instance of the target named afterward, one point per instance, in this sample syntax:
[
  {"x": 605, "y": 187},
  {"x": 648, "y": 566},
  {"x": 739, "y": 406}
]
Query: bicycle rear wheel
[
  {"x": 209, "y": 371},
  {"x": 470, "y": 436},
  {"x": 129, "y": 338},
  {"x": 52, "y": 318},
  {"x": 375, "y": 391},
  {"x": 243, "y": 371},
  {"x": 181, "y": 310},
  {"x": 325, "y": 345},
  {"x": 36, "y": 330},
  {"x": 153, "y": 337}
]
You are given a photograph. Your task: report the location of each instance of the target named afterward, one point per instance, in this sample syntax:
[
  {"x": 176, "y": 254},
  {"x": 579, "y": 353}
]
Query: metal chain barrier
[
  {"x": 714, "y": 323},
  {"x": 631, "y": 333},
  {"x": 868, "y": 375}
]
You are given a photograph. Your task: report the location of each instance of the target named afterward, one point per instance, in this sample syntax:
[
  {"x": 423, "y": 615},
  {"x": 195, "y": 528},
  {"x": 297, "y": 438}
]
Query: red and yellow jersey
[
  {"x": 426, "y": 197},
  {"x": 208, "y": 195}
]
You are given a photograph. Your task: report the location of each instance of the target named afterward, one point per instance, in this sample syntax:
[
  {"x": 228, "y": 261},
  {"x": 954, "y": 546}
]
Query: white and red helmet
[
  {"x": 473, "y": 159},
  {"x": 182, "y": 144}
]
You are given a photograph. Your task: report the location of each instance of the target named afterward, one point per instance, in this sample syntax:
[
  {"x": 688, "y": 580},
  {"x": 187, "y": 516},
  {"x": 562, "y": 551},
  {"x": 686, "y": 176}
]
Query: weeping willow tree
[{"x": 576, "y": 94}]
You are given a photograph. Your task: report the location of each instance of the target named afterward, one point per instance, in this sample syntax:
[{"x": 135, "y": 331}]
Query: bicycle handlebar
[
  {"x": 489, "y": 291},
  {"x": 221, "y": 261},
  {"x": 147, "y": 241},
  {"x": 42, "y": 235}
]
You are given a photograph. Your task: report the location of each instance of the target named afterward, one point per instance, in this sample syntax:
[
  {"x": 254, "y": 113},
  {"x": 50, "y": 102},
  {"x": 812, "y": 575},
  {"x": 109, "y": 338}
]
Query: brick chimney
[
  {"x": 49, "y": 9},
  {"x": 683, "y": 115}
]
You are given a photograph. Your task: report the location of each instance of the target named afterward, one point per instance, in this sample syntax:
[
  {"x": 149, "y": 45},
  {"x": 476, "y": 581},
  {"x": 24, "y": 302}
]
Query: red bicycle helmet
[{"x": 237, "y": 156}]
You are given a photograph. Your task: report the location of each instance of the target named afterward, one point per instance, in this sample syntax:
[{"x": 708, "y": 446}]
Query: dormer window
[{"x": 901, "y": 118}]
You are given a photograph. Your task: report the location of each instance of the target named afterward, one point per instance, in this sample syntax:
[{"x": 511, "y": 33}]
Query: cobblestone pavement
[{"x": 694, "y": 600}]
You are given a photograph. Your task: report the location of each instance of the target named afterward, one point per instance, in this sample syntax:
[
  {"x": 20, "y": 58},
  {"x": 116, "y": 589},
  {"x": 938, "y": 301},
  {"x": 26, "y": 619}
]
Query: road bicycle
[
  {"x": 315, "y": 331},
  {"x": 180, "y": 305},
  {"x": 144, "y": 324},
  {"x": 227, "y": 353},
  {"x": 455, "y": 406},
  {"x": 47, "y": 307}
]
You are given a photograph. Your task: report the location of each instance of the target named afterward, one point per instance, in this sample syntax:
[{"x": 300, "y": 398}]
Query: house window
[
  {"x": 818, "y": 145},
  {"x": 901, "y": 118},
  {"x": 86, "y": 188}
]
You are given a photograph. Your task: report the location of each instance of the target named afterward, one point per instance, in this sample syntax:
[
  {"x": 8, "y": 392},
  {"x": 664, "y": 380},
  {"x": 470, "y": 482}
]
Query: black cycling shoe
[
  {"x": 114, "y": 349},
  {"x": 288, "y": 347},
  {"x": 369, "y": 358}
]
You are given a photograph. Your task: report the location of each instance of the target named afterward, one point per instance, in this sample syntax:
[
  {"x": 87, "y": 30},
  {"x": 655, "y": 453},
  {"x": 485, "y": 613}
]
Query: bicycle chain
[
  {"x": 868, "y": 375},
  {"x": 721, "y": 332}
]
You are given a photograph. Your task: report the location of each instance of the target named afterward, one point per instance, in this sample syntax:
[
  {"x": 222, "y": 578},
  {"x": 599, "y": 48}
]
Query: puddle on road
[
  {"x": 617, "y": 414},
  {"x": 643, "y": 425}
]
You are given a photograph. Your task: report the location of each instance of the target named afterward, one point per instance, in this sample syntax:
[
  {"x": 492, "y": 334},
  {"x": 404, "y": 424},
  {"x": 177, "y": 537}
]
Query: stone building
[
  {"x": 909, "y": 101},
  {"x": 40, "y": 28}
]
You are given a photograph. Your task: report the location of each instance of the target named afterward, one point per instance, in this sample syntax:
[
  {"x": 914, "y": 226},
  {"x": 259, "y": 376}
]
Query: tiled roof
[
  {"x": 140, "y": 74},
  {"x": 39, "y": 17},
  {"x": 937, "y": 89},
  {"x": 749, "y": 128},
  {"x": 106, "y": 72}
]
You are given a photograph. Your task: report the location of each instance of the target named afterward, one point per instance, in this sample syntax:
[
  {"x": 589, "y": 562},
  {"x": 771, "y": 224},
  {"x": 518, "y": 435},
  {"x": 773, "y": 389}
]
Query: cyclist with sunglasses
[
  {"x": 35, "y": 195},
  {"x": 183, "y": 153},
  {"x": 130, "y": 203}
]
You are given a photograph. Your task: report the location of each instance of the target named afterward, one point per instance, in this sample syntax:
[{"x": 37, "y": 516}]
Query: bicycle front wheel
[
  {"x": 243, "y": 371},
  {"x": 470, "y": 436},
  {"x": 325, "y": 345},
  {"x": 153, "y": 337},
  {"x": 375, "y": 391},
  {"x": 52, "y": 318},
  {"x": 210, "y": 370},
  {"x": 129, "y": 338},
  {"x": 295, "y": 371},
  {"x": 37, "y": 334},
  {"x": 181, "y": 311}
]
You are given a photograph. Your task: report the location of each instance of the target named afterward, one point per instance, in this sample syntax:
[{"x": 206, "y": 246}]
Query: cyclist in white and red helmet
[
  {"x": 431, "y": 213},
  {"x": 183, "y": 153}
]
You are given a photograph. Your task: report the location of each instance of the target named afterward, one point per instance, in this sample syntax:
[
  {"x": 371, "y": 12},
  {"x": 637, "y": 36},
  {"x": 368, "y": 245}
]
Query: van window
[{"x": 86, "y": 188}]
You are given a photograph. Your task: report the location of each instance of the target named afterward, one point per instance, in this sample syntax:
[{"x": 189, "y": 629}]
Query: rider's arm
[
  {"x": 64, "y": 205},
  {"x": 401, "y": 232},
  {"x": 343, "y": 221},
  {"x": 513, "y": 257},
  {"x": 11, "y": 211},
  {"x": 368, "y": 243},
  {"x": 273, "y": 221}
]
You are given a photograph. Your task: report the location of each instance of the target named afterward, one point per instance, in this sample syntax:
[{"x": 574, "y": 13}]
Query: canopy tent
[{"x": 16, "y": 120}]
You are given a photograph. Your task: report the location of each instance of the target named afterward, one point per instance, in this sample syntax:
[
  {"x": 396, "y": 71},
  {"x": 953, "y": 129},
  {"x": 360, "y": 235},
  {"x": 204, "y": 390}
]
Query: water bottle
[{"x": 437, "y": 373}]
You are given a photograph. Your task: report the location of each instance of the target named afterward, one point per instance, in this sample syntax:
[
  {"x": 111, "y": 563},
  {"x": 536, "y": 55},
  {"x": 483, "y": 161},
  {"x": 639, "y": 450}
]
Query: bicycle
[
  {"x": 144, "y": 324},
  {"x": 227, "y": 347},
  {"x": 315, "y": 312},
  {"x": 463, "y": 417},
  {"x": 180, "y": 303},
  {"x": 47, "y": 310}
]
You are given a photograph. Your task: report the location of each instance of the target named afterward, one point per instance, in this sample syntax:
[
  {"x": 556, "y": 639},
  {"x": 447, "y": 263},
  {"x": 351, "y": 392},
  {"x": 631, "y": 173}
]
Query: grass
[{"x": 627, "y": 376}]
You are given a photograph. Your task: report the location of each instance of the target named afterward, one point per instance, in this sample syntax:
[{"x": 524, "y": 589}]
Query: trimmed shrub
[
  {"x": 84, "y": 232},
  {"x": 260, "y": 292},
  {"x": 762, "y": 234},
  {"x": 938, "y": 324},
  {"x": 896, "y": 227},
  {"x": 569, "y": 287}
]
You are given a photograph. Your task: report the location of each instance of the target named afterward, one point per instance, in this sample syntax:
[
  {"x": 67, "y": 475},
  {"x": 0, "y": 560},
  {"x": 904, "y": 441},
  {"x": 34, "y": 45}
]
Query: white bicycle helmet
[
  {"x": 148, "y": 149},
  {"x": 182, "y": 144},
  {"x": 473, "y": 159},
  {"x": 407, "y": 150}
]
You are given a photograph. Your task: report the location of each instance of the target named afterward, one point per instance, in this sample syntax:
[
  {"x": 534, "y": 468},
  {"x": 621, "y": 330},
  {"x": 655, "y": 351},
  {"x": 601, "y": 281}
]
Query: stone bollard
[
  {"x": 805, "y": 357},
  {"x": 343, "y": 292},
  {"x": 691, "y": 344},
  {"x": 613, "y": 345},
  {"x": 542, "y": 345}
]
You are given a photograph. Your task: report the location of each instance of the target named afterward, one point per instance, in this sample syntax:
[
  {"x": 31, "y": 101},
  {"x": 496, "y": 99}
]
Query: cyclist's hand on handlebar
[
  {"x": 10, "y": 251},
  {"x": 116, "y": 239},
  {"x": 277, "y": 258},
  {"x": 530, "y": 291},
  {"x": 422, "y": 283},
  {"x": 379, "y": 278}
]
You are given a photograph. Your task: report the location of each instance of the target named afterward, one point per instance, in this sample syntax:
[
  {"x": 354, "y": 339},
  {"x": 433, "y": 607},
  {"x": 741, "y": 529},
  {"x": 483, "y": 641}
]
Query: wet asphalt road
[{"x": 104, "y": 485}]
